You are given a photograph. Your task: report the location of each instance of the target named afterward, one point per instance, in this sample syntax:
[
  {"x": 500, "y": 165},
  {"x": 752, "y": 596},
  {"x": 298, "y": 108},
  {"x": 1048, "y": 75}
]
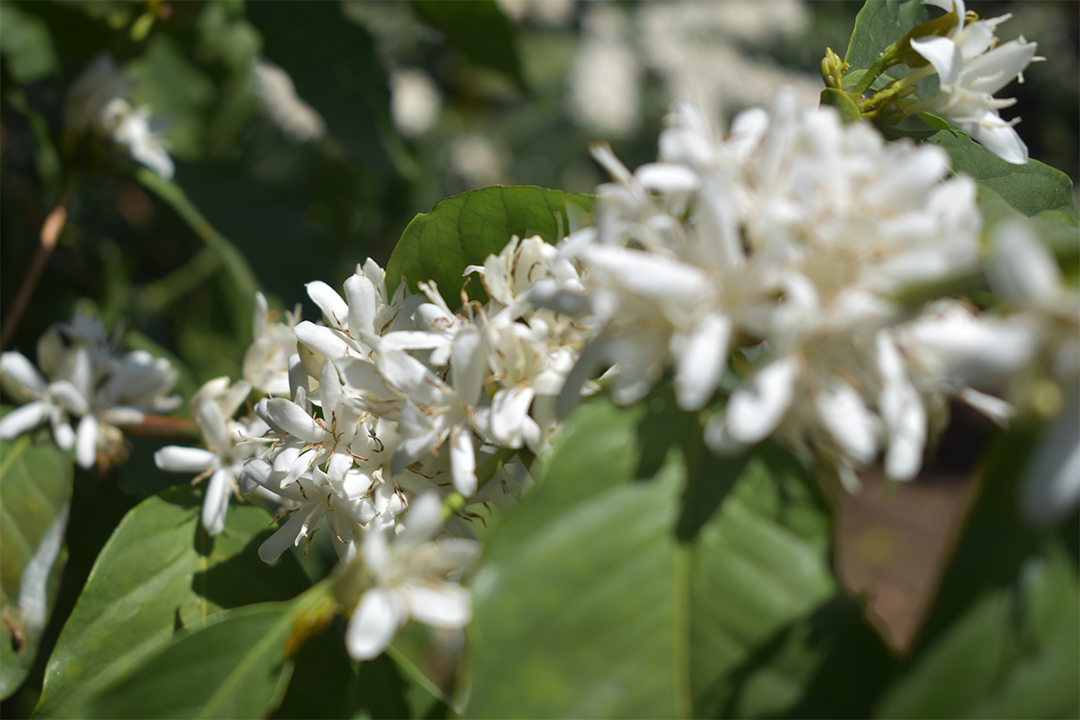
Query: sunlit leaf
[
  {"x": 158, "y": 573},
  {"x": 588, "y": 604},
  {"x": 878, "y": 25},
  {"x": 35, "y": 492},
  {"x": 463, "y": 230}
]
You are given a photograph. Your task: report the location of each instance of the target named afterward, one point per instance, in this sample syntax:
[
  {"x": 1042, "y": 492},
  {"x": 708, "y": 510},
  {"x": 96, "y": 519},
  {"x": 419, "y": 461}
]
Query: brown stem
[
  {"x": 50, "y": 233},
  {"x": 160, "y": 426}
]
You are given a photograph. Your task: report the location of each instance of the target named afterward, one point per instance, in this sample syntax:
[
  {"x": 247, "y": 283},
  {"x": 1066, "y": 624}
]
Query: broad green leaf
[
  {"x": 1003, "y": 638},
  {"x": 478, "y": 28},
  {"x": 234, "y": 666},
  {"x": 588, "y": 604},
  {"x": 464, "y": 229},
  {"x": 158, "y": 573},
  {"x": 1030, "y": 188},
  {"x": 35, "y": 493},
  {"x": 878, "y": 25}
]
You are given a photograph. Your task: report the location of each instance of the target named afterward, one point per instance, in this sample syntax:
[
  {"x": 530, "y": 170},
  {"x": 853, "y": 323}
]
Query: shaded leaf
[
  {"x": 233, "y": 666},
  {"x": 587, "y": 604},
  {"x": 35, "y": 492},
  {"x": 478, "y": 28},
  {"x": 464, "y": 229},
  {"x": 1003, "y": 637},
  {"x": 27, "y": 46},
  {"x": 158, "y": 573}
]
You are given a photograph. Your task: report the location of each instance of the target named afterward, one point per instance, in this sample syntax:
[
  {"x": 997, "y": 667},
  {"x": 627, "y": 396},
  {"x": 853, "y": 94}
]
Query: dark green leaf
[
  {"x": 463, "y": 230},
  {"x": 35, "y": 492},
  {"x": 878, "y": 25},
  {"x": 158, "y": 573},
  {"x": 589, "y": 605},
  {"x": 478, "y": 29},
  {"x": 27, "y": 46},
  {"x": 1003, "y": 638},
  {"x": 1030, "y": 188},
  {"x": 333, "y": 64},
  {"x": 233, "y": 666}
]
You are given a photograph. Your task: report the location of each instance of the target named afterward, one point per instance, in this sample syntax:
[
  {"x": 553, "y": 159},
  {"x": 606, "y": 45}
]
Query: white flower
[
  {"x": 88, "y": 380},
  {"x": 410, "y": 577},
  {"x": 228, "y": 444},
  {"x": 266, "y": 361},
  {"x": 414, "y": 101},
  {"x": 969, "y": 74},
  {"x": 96, "y": 104}
]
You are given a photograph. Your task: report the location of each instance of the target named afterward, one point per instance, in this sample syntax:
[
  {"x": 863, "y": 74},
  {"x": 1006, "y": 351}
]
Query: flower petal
[
  {"x": 374, "y": 623},
  {"x": 174, "y": 458},
  {"x": 758, "y": 406}
]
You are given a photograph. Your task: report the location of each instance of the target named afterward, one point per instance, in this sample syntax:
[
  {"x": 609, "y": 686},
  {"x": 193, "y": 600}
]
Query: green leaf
[
  {"x": 1003, "y": 638},
  {"x": 27, "y": 46},
  {"x": 158, "y": 573},
  {"x": 233, "y": 666},
  {"x": 35, "y": 492},
  {"x": 588, "y": 604},
  {"x": 878, "y": 25},
  {"x": 464, "y": 229},
  {"x": 478, "y": 28},
  {"x": 1030, "y": 188}
]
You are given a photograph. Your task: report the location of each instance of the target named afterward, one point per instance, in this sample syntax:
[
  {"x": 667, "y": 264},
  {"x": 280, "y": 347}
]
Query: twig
[{"x": 50, "y": 233}]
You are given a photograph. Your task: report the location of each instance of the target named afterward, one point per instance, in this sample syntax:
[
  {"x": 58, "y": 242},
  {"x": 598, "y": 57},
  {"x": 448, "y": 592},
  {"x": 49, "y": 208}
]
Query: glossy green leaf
[
  {"x": 464, "y": 229},
  {"x": 1003, "y": 638},
  {"x": 35, "y": 492},
  {"x": 878, "y": 25},
  {"x": 231, "y": 667},
  {"x": 589, "y": 605},
  {"x": 478, "y": 28},
  {"x": 158, "y": 573},
  {"x": 1030, "y": 188}
]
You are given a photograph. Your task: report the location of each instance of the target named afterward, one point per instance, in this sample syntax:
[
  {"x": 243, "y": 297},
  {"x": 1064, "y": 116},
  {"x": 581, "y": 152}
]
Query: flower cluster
[
  {"x": 82, "y": 376},
  {"x": 790, "y": 242}
]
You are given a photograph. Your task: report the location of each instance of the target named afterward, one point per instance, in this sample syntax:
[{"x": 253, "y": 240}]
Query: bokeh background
[{"x": 310, "y": 133}]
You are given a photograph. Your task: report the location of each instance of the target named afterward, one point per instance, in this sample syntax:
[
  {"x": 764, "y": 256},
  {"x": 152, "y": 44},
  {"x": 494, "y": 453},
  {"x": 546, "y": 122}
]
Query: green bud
[{"x": 848, "y": 109}]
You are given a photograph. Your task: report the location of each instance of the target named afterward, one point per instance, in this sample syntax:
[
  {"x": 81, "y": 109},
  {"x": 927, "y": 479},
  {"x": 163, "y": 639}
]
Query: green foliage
[
  {"x": 879, "y": 24},
  {"x": 463, "y": 230},
  {"x": 478, "y": 29},
  {"x": 35, "y": 492},
  {"x": 26, "y": 46},
  {"x": 1030, "y": 188},
  {"x": 1003, "y": 639},
  {"x": 158, "y": 573},
  {"x": 233, "y": 666},
  {"x": 589, "y": 604}
]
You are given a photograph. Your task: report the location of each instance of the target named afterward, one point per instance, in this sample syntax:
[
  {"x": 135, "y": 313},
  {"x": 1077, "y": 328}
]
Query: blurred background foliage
[{"x": 309, "y": 134}]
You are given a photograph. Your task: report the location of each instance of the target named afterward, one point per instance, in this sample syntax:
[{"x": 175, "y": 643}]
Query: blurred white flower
[
  {"x": 298, "y": 120},
  {"x": 89, "y": 380},
  {"x": 96, "y": 104},
  {"x": 415, "y": 101},
  {"x": 266, "y": 361}
]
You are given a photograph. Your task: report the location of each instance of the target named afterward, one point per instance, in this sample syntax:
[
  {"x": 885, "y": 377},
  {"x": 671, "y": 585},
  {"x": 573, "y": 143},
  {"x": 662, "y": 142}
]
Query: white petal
[
  {"x": 174, "y": 458},
  {"x": 902, "y": 411},
  {"x": 442, "y": 606},
  {"x": 1022, "y": 268},
  {"x": 334, "y": 309},
  {"x": 363, "y": 304},
  {"x": 216, "y": 502},
  {"x": 849, "y": 421},
  {"x": 373, "y": 625},
  {"x": 702, "y": 362},
  {"x": 286, "y": 415},
  {"x": 758, "y": 406},
  {"x": 943, "y": 54},
  {"x": 63, "y": 434},
  {"x": 463, "y": 461},
  {"x": 86, "y": 442},
  {"x": 15, "y": 366},
  {"x": 321, "y": 340},
  {"x": 24, "y": 418},
  {"x": 467, "y": 365}
]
